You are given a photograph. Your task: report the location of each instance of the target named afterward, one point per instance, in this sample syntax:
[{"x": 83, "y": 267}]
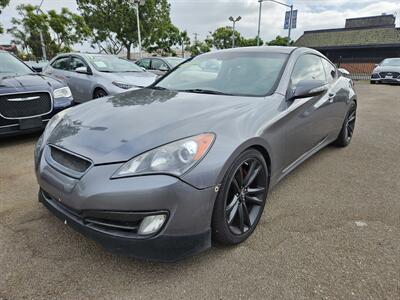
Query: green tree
[
  {"x": 60, "y": 30},
  {"x": 221, "y": 38},
  {"x": 280, "y": 41},
  {"x": 250, "y": 42},
  {"x": 114, "y": 26},
  {"x": 199, "y": 47},
  {"x": 3, "y": 3}
]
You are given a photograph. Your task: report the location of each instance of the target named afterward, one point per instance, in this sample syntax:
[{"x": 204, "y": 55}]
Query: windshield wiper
[
  {"x": 157, "y": 88},
  {"x": 204, "y": 91}
]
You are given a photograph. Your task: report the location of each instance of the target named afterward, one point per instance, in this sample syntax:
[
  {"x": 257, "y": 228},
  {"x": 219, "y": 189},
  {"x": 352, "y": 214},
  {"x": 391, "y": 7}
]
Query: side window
[
  {"x": 158, "y": 64},
  {"x": 308, "y": 67},
  {"x": 330, "y": 70},
  {"x": 144, "y": 63},
  {"x": 62, "y": 63},
  {"x": 77, "y": 63}
]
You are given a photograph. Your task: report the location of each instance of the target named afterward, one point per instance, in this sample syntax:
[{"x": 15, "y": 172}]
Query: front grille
[
  {"x": 25, "y": 105},
  {"x": 70, "y": 161},
  {"x": 394, "y": 74},
  {"x": 375, "y": 76}
]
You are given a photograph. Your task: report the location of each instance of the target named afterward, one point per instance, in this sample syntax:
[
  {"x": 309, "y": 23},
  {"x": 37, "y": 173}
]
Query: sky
[{"x": 203, "y": 16}]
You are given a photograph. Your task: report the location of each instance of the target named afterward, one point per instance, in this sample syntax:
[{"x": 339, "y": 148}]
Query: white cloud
[{"x": 202, "y": 16}]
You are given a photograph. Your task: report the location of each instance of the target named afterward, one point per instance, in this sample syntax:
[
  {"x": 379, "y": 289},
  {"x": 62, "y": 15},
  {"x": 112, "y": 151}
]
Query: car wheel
[
  {"x": 99, "y": 93},
  {"x": 241, "y": 199},
  {"x": 346, "y": 133},
  {"x": 372, "y": 82}
]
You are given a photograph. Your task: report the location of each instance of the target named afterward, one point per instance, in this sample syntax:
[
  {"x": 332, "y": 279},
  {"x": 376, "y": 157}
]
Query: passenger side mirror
[
  {"x": 163, "y": 68},
  {"x": 83, "y": 70},
  {"x": 37, "y": 69},
  {"x": 144, "y": 69},
  {"x": 308, "y": 88},
  {"x": 344, "y": 71}
]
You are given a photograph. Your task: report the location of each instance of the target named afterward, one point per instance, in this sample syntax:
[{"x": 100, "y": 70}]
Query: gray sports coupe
[{"x": 158, "y": 173}]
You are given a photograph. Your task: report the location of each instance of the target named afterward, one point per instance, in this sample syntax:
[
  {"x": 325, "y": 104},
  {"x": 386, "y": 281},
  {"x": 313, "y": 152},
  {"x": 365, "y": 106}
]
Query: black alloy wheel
[
  {"x": 241, "y": 200},
  {"x": 347, "y": 131},
  {"x": 99, "y": 93}
]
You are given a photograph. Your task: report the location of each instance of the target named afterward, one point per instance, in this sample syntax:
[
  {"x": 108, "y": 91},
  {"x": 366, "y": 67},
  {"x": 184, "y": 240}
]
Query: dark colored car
[
  {"x": 27, "y": 99},
  {"x": 159, "y": 65},
  {"x": 388, "y": 71},
  {"x": 160, "y": 172}
]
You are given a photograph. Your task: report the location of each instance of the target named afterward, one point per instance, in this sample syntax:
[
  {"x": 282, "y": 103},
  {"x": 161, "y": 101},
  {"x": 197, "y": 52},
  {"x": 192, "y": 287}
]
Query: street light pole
[
  {"x": 277, "y": 2},
  {"x": 138, "y": 3},
  {"x": 233, "y": 27},
  {"x": 259, "y": 23}
]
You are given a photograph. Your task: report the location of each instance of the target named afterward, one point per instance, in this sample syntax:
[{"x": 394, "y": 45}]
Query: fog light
[{"x": 151, "y": 224}]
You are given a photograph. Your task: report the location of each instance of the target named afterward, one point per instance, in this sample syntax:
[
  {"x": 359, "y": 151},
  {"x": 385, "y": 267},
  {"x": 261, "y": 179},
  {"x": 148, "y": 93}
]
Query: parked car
[
  {"x": 388, "y": 71},
  {"x": 157, "y": 173},
  {"x": 160, "y": 65},
  {"x": 27, "y": 99},
  {"x": 92, "y": 76}
]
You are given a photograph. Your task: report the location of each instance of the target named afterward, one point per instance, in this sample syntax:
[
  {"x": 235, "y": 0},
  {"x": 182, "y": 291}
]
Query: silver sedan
[{"x": 91, "y": 76}]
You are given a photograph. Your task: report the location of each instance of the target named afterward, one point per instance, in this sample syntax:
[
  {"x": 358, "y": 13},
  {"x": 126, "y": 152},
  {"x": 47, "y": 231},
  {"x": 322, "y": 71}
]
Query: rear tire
[
  {"x": 99, "y": 93},
  {"x": 346, "y": 133},
  {"x": 241, "y": 199},
  {"x": 372, "y": 82}
]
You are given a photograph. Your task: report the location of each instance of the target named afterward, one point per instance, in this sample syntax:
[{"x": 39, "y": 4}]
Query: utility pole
[
  {"x": 195, "y": 37},
  {"x": 233, "y": 27},
  {"x": 41, "y": 35},
  {"x": 290, "y": 21}
]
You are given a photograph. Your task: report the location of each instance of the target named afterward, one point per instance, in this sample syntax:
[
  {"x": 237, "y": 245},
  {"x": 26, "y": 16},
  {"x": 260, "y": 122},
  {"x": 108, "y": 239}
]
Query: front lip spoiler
[{"x": 162, "y": 248}]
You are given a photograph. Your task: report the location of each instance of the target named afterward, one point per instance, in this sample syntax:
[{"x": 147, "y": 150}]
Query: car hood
[
  {"x": 117, "y": 128},
  {"x": 387, "y": 69},
  {"x": 28, "y": 83},
  {"x": 141, "y": 79}
]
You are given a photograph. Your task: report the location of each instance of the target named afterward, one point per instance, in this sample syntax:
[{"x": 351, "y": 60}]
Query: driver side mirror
[
  {"x": 83, "y": 70},
  {"x": 308, "y": 88}
]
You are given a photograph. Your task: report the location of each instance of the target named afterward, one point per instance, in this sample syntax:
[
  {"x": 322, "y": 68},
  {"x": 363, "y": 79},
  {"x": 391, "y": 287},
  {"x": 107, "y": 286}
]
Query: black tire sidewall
[{"x": 220, "y": 230}]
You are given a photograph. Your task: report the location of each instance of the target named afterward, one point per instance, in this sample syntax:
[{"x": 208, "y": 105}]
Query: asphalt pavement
[{"x": 330, "y": 230}]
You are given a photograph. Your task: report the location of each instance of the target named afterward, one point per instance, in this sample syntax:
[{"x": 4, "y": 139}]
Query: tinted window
[
  {"x": 249, "y": 73},
  {"x": 174, "y": 61},
  {"x": 330, "y": 70},
  {"x": 144, "y": 63},
  {"x": 308, "y": 67},
  {"x": 10, "y": 65},
  {"x": 77, "y": 63},
  {"x": 158, "y": 64},
  {"x": 62, "y": 63}
]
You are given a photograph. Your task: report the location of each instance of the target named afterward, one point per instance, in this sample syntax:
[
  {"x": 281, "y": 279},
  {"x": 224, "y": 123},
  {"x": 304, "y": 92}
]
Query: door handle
[{"x": 331, "y": 97}]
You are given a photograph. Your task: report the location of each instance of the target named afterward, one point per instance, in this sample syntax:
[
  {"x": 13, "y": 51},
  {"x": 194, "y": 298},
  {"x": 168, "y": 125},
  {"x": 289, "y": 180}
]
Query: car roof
[{"x": 271, "y": 49}]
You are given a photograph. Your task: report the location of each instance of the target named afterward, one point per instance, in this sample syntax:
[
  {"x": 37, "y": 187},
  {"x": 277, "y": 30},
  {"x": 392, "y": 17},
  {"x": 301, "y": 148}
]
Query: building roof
[
  {"x": 349, "y": 37},
  {"x": 368, "y": 31}
]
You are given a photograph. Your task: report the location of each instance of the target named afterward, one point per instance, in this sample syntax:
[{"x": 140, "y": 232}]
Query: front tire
[
  {"x": 99, "y": 93},
  {"x": 241, "y": 199},
  {"x": 346, "y": 133}
]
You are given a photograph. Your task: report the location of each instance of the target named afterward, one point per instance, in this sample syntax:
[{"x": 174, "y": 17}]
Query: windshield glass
[
  {"x": 228, "y": 72},
  {"x": 114, "y": 64},
  {"x": 391, "y": 62},
  {"x": 10, "y": 66},
  {"x": 174, "y": 61}
]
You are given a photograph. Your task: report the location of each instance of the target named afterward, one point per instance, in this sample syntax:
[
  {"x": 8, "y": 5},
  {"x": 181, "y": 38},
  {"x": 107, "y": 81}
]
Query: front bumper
[
  {"x": 385, "y": 80},
  {"x": 13, "y": 127},
  {"x": 185, "y": 233}
]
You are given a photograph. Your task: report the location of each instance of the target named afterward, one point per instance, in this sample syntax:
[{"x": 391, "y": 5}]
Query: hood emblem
[{"x": 23, "y": 99}]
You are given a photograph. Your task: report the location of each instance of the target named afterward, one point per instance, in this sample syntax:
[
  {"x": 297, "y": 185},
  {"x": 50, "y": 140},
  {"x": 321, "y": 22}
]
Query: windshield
[
  {"x": 10, "y": 66},
  {"x": 114, "y": 64},
  {"x": 174, "y": 61},
  {"x": 228, "y": 72},
  {"x": 391, "y": 62}
]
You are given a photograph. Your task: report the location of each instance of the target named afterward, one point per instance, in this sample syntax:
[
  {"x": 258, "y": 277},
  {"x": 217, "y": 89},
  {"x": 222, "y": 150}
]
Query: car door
[
  {"x": 60, "y": 68},
  {"x": 80, "y": 83},
  {"x": 158, "y": 66},
  {"x": 307, "y": 126},
  {"x": 338, "y": 96}
]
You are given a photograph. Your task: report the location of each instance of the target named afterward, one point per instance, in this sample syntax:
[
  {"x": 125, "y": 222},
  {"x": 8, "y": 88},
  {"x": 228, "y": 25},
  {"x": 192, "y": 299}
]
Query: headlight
[
  {"x": 52, "y": 124},
  {"x": 64, "y": 92},
  {"x": 175, "y": 158},
  {"x": 122, "y": 85}
]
